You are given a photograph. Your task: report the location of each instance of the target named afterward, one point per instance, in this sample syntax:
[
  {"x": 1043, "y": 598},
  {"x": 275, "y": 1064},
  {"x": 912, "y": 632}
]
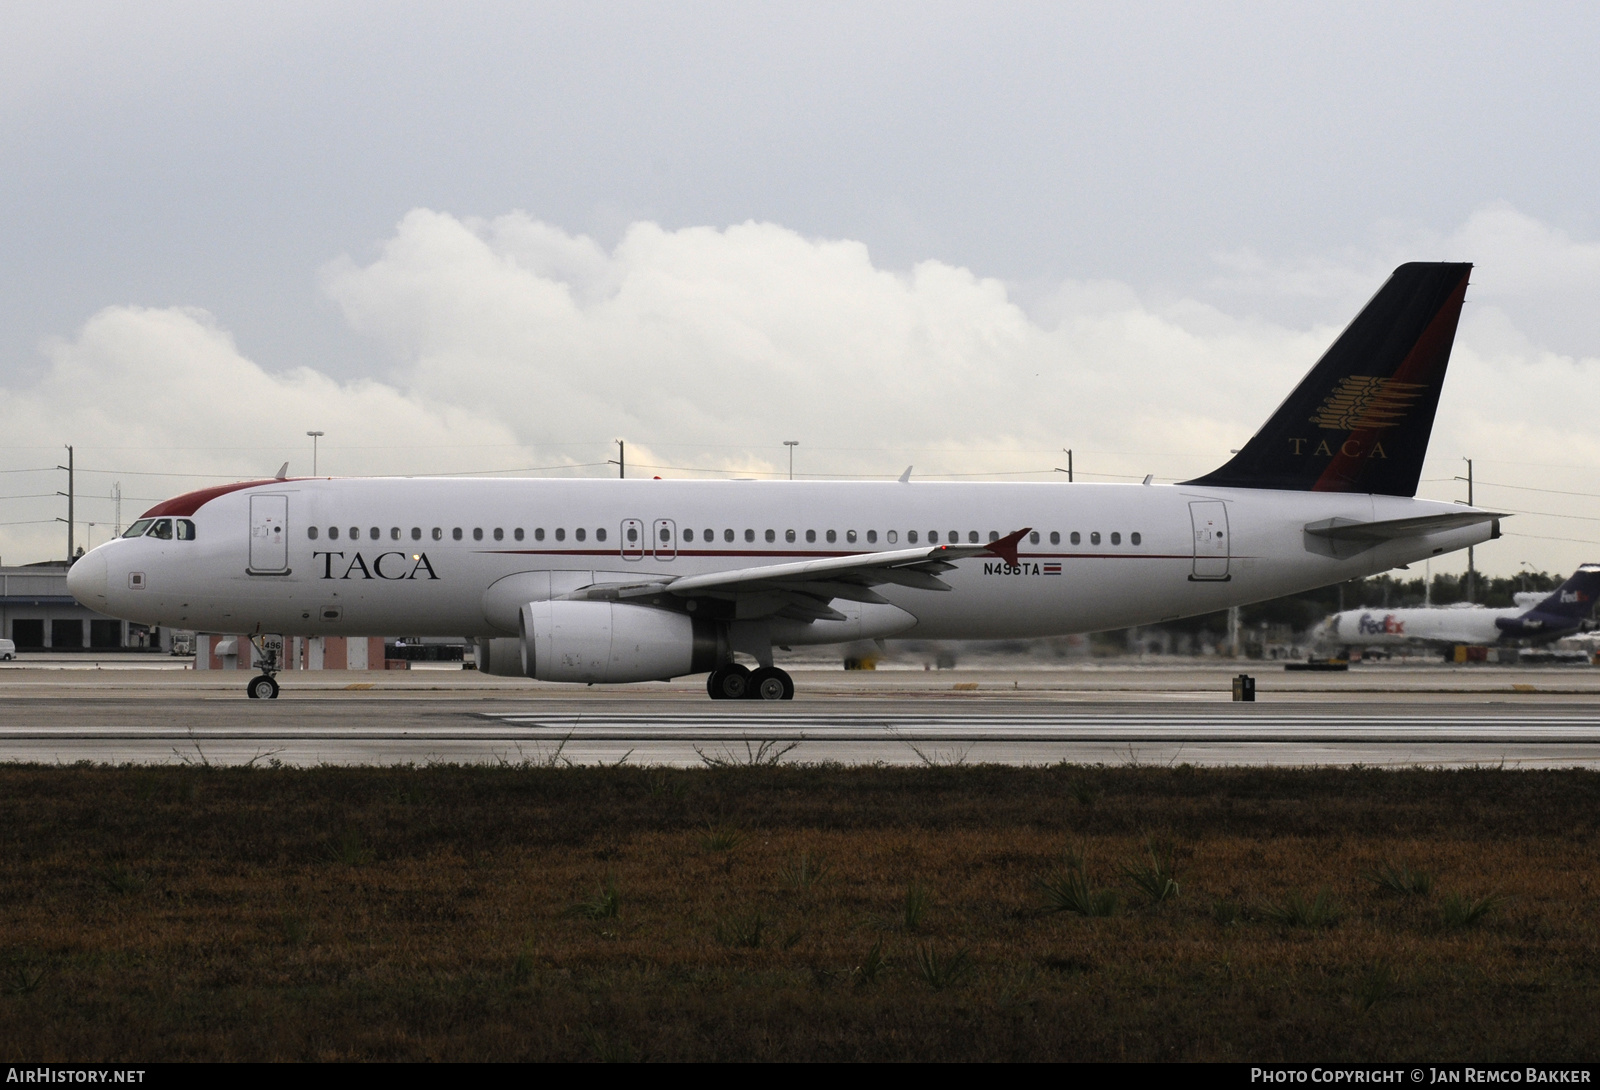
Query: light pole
[
  {"x": 1472, "y": 570},
  {"x": 315, "y": 435},
  {"x": 791, "y": 444}
]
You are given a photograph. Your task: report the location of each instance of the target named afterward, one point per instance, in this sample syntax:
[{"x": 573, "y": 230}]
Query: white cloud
[
  {"x": 514, "y": 343},
  {"x": 144, "y": 391},
  {"x": 719, "y": 344}
]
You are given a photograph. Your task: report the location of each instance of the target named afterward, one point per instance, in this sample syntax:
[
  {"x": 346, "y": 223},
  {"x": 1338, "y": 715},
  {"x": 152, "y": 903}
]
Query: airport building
[{"x": 213, "y": 652}]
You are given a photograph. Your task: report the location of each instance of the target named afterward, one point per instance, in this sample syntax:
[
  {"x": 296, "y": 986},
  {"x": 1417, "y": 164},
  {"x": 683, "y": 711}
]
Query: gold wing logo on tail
[{"x": 1366, "y": 403}]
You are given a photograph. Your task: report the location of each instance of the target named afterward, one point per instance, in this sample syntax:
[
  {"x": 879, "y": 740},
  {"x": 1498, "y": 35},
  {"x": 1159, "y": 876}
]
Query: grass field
[{"x": 973, "y": 913}]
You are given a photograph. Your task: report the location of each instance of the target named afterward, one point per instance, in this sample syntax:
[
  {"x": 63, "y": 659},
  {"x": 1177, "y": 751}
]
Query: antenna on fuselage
[
  {"x": 283, "y": 472},
  {"x": 905, "y": 478}
]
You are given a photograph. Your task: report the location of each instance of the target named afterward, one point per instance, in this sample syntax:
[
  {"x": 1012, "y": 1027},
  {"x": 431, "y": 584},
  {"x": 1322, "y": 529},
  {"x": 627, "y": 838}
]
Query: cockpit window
[
  {"x": 138, "y": 528},
  {"x": 162, "y": 529},
  {"x": 185, "y": 529}
]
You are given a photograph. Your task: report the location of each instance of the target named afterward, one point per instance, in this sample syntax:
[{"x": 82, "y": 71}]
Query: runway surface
[{"x": 1400, "y": 717}]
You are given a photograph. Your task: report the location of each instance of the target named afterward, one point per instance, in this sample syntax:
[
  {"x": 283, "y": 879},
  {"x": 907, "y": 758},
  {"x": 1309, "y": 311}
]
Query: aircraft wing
[{"x": 802, "y": 589}]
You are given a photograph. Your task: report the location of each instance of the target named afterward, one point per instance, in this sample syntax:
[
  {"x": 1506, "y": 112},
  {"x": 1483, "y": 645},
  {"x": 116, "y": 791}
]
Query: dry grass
[{"x": 622, "y": 913}]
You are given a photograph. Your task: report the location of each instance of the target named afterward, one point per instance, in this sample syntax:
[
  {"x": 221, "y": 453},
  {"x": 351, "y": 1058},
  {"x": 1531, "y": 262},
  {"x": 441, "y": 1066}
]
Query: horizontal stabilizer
[{"x": 1340, "y": 538}]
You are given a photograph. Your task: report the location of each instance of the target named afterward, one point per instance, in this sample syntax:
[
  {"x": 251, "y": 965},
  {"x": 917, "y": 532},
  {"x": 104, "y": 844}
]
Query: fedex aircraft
[
  {"x": 635, "y": 580},
  {"x": 1536, "y": 618}
]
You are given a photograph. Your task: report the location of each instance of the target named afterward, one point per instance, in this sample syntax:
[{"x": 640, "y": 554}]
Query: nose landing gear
[{"x": 264, "y": 686}]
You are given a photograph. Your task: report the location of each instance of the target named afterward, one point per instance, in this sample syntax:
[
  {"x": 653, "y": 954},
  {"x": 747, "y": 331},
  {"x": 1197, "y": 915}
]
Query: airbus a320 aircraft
[
  {"x": 634, "y": 580},
  {"x": 1536, "y": 618}
]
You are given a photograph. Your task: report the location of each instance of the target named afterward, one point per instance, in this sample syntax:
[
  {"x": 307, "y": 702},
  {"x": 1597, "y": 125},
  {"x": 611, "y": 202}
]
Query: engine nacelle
[{"x": 589, "y": 641}]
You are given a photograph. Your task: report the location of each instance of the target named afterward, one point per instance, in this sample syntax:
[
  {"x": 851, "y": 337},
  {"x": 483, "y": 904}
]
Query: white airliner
[
  {"x": 634, "y": 580},
  {"x": 1536, "y": 618}
]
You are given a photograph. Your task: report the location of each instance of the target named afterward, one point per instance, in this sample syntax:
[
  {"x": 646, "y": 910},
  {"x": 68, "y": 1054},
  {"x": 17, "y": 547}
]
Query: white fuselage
[
  {"x": 420, "y": 556},
  {"x": 1465, "y": 624}
]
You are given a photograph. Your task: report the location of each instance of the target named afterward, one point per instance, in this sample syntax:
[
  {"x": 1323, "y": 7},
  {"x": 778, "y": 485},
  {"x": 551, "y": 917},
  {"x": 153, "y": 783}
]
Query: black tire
[
  {"x": 262, "y": 688},
  {"x": 730, "y": 682},
  {"x": 771, "y": 683}
]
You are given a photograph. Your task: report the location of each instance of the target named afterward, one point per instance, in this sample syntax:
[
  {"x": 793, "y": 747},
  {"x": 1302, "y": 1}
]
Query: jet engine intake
[{"x": 590, "y": 641}]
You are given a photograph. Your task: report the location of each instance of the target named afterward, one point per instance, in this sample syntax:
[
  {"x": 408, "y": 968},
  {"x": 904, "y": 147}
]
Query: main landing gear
[{"x": 735, "y": 682}]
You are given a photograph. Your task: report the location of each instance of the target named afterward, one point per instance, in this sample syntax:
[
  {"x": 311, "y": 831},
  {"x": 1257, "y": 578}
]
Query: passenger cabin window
[
  {"x": 438, "y": 534},
  {"x": 811, "y": 536},
  {"x": 973, "y": 537},
  {"x": 162, "y": 529},
  {"x": 499, "y": 534},
  {"x": 1076, "y": 537},
  {"x": 727, "y": 535},
  {"x": 772, "y": 535},
  {"x": 788, "y": 535},
  {"x": 832, "y": 537},
  {"x": 600, "y": 534},
  {"x": 394, "y": 533},
  {"x": 911, "y": 537},
  {"x": 994, "y": 535},
  {"x": 1033, "y": 538},
  {"x": 477, "y": 533},
  {"x": 579, "y": 533},
  {"x": 416, "y": 533},
  {"x": 538, "y": 535},
  {"x": 455, "y": 534},
  {"x": 355, "y": 533},
  {"x": 933, "y": 537},
  {"x": 1055, "y": 537},
  {"x": 688, "y": 535},
  {"x": 311, "y": 532},
  {"x": 375, "y": 533},
  {"x": 849, "y": 535},
  {"x": 517, "y": 533},
  {"x": 1133, "y": 538},
  {"x": 749, "y": 535},
  {"x": 333, "y": 533},
  {"x": 872, "y": 537},
  {"x": 185, "y": 529},
  {"x": 1094, "y": 537},
  {"x": 1116, "y": 538},
  {"x": 561, "y": 534}
]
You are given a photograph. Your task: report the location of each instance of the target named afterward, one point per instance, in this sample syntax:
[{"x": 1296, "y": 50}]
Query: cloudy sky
[{"x": 496, "y": 238}]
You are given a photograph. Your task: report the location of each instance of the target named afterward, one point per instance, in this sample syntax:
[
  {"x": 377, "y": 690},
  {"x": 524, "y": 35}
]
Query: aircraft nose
[{"x": 88, "y": 580}]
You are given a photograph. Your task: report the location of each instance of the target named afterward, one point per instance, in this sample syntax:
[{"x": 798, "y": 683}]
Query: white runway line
[
  {"x": 1058, "y": 727},
  {"x": 1019, "y": 727}
]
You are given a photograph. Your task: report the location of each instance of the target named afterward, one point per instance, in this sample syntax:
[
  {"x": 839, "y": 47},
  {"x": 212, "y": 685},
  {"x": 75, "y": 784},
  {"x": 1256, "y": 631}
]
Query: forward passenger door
[{"x": 269, "y": 535}]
